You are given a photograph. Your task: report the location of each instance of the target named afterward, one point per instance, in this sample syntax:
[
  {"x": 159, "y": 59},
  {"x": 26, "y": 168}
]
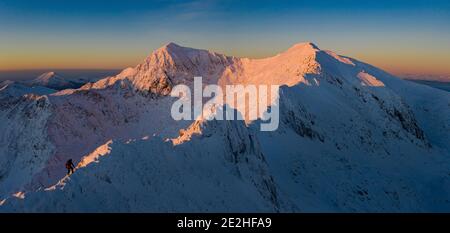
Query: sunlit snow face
[{"x": 251, "y": 102}]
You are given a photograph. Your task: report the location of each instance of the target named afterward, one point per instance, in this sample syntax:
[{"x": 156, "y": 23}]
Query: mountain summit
[
  {"x": 46, "y": 77},
  {"x": 55, "y": 81},
  {"x": 174, "y": 64}
]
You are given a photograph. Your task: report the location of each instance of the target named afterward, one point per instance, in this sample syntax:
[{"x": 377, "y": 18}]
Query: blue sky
[{"x": 400, "y": 36}]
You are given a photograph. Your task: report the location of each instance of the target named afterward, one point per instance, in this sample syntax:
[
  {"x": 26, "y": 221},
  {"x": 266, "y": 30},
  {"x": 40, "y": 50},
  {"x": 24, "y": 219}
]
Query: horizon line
[{"x": 122, "y": 68}]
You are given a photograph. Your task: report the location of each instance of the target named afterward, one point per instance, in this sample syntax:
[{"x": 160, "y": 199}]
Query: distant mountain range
[
  {"x": 55, "y": 81},
  {"x": 427, "y": 77},
  {"x": 436, "y": 84},
  {"x": 70, "y": 74},
  {"x": 46, "y": 83}
]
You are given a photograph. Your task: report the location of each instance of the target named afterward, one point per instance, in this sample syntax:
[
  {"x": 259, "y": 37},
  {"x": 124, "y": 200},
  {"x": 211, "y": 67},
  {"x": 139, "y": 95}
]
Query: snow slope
[
  {"x": 11, "y": 89},
  {"x": 352, "y": 138},
  {"x": 161, "y": 177}
]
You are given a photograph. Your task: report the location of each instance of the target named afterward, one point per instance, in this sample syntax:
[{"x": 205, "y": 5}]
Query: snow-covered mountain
[
  {"x": 352, "y": 138},
  {"x": 55, "y": 81},
  {"x": 10, "y": 89}
]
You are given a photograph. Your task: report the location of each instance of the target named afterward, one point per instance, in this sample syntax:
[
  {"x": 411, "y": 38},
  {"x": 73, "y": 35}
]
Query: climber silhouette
[{"x": 69, "y": 166}]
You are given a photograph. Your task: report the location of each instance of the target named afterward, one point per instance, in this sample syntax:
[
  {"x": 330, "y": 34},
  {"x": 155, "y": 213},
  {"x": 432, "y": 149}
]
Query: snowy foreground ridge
[{"x": 351, "y": 138}]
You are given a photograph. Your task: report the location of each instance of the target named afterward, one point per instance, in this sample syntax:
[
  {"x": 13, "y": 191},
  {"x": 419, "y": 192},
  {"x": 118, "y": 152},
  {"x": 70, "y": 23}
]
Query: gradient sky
[{"x": 399, "y": 36}]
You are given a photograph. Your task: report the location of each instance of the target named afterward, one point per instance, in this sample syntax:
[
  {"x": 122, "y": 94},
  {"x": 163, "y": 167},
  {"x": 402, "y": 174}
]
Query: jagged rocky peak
[
  {"x": 172, "y": 47},
  {"x": 184, "y": 59},
  {"x": 300, "y": 53},
  {"x": 303, "y": 49},
  {"x": 173, "y": 64},
  {"x": 315, "y": 54},
  {"x": 170, "y": 65}
]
